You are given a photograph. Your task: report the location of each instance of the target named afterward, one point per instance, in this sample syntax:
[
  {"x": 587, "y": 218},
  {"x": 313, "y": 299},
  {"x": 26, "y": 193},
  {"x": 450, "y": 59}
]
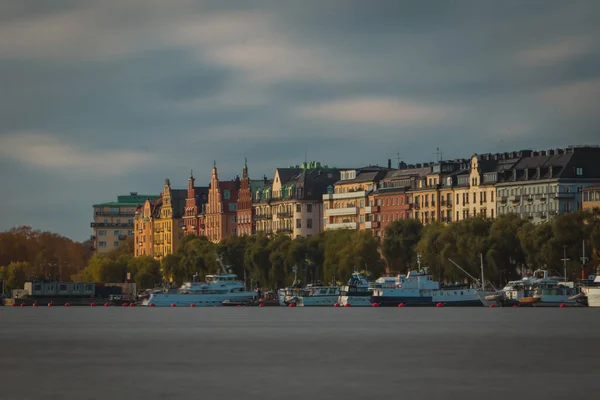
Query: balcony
[
  {"x": 348, "y": 195},
  {"x": 110, "y": 225},
  {"x": 372, "y": 224},
  {"x": 564, "y": 195},
  {"x": 503, "y": 199},
  {"x": 515, "y": 199},
  {"x": 262, "y": 217},
  {"x": 342, "y": 225},
  {"x": 285, "y": 230},
  {"x": 285, "y": 214},
  {"x": 530, "y": 199},
  {"x": 114, "y": 214},
  {"x": 332, "y": 212},
  {"x": 371, "y": 209}
]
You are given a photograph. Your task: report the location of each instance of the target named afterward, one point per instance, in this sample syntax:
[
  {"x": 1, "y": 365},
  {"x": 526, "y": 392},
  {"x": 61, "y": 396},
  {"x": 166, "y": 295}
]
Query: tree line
[{"x": 508, "y": 246}]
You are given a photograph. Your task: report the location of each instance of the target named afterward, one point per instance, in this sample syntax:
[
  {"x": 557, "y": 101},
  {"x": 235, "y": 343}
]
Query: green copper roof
[{"x": 130, "y": 200}]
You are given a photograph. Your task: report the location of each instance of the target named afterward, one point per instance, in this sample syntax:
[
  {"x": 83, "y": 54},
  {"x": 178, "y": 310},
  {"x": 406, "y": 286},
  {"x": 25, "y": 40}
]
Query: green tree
[
  {"x": 16, "y": 274},
  {"x": 145, "y": 271},
  {"x": 399, "y": 243}
]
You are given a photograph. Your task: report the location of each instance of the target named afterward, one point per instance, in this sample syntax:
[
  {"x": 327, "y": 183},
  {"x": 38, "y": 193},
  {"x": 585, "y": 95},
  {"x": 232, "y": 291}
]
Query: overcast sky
[{"x": 100, "y": 98}]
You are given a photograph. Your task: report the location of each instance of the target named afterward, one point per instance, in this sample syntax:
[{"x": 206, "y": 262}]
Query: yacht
[
  {"x": 418, "y": 288},
  {"x": 540, "y": 290},
  {"x": 357, "y": 293},
  {"x": 310, "y": 296},
  {"x": 592, "y": 292},
  {"x": 214, "y": 291}
]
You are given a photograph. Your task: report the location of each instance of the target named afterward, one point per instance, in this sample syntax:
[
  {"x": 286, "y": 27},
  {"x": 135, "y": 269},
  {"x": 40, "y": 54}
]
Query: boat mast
[
  {"x": 564, "y": 260},
  {"x": 419, "y": 261},
  {"x": 583, "y": 260},
  {"x": 482, "y": 277},
  {"x": 459, "y": 267}
]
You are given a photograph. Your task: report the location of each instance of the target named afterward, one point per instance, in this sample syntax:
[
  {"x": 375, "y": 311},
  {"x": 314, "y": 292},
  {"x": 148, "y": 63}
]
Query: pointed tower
[
  {"x": 244, "y": 204},
  {"x": 213, "y": 208},
  {"x": 190, "y": 216}
]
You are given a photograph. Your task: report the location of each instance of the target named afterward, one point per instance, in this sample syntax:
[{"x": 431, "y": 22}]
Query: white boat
[
  {"x": 357, "y": 293},
  {"x": 418, "y": 288},
  {"x": 214, "y": 291},
  {"x": 540, "y": 290},
  {"x": 592, "y": 293},
  {"x": 310, "y": 296}
]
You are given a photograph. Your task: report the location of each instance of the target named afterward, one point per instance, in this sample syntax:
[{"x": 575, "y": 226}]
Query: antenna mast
[{"x": 564, "y": 260}]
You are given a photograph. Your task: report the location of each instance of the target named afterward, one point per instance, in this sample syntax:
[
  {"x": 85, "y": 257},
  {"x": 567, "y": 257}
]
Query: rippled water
[{"x": 298, "y": 353}]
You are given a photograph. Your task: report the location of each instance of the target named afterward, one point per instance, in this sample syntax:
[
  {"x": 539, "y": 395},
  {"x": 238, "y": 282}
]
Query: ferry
[
  {"x": 357, "y": 293},
  {"x": 214, "y": 291}
]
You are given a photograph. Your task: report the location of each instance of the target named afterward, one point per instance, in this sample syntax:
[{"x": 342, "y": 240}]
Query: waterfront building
[
  {"x": 591, "y": 197},
  {"x": 392, "y": 200},
  {"x": 195, "y": 205},
  {"x": 113, "y": 221},
  {"x": 168, "y": 226},
  {"x": 475, "y": 193},
  {"x": 246, "y": 225},
  {"x": 543, "y": 184},
  {"x": 261, "y": 207},
  {"x": 345, "y": 201},
  {"x": 144, "y": 227},
  {"x": 292, "y": 204},
  {"x": 221, "y": 210}
]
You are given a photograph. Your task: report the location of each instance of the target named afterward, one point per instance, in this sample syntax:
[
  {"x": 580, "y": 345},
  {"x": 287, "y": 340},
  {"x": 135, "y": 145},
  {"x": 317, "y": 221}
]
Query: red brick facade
[
  {"x": 245, "y": 220},
  {"x": 221, "y": 210}
]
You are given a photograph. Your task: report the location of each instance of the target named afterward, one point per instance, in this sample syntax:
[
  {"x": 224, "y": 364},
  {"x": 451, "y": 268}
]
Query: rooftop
[{"x": 130, "y": 200}]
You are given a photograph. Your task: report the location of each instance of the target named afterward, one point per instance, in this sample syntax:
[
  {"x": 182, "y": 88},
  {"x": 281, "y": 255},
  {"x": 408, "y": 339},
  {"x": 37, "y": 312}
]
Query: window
[
  {"x": 114, "y": 209},
  {"x": 101, "y": 233},
  {"x": 298, "y": 223},
  {"x": 362, "y": 218},
  {"x": 232, "y": 206},
  {"x": 129, "y": 233},
  {"x": 579, "y": 171},
  {"x": 233, "y": 218},
  {"x": 298, "y": 207},
  {"x": 309, "y": 223},
  {"x": 233, "y": 231},
  {"x": 227, "y": 194},
  {"x": 309, "y": 207},
  {"x": 117, "y": 233},
  {"x": 116, "y": 244},
  {"x": 362, "y": 204}
]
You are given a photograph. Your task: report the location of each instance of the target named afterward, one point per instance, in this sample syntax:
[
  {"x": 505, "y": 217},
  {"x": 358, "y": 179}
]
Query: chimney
[
  {"x": 551, "y": 152},
  {"x": 560, "y": 151},
  {"x": 389, "y": 163},
  {"x": 265, "y": 180},
  {"x": 418, "y": 165}
]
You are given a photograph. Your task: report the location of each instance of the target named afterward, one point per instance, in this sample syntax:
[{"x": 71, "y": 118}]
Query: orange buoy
[
  {"x": 439, "y": 305},
  {"x": 131, "y": 304},
  {"x": 173, "y": 305},
  {"x": 151, "y": 305},
  {"x": 67, "y": 304},
  {"x": 401, "y": 305},
  {"x": 492, "y": 305},
  {"x": 107, "y": 304},
  {"x": 92, "y": 304},
  {"x": 50, "y": 304},
  {"x": 375, "y": 305},
  {"x": 261, "y": 305},
  {"x": 22, "y": 304},
  {"x": 515, "y": 306},
  {"x": 336, "y": 305},
  {"x": 124, "y": 305},
  {"x": 13, "y": 305},
  {"x": 35, "y": 304},
  {"x": 563, "y": 305},
  {"x": 192, "y": 305},
  {"x": 347, "y": 305},
  {"x": 292, "y": 305}
]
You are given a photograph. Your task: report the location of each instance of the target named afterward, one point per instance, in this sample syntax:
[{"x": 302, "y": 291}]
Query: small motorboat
[{"x": 529, "y": 300}]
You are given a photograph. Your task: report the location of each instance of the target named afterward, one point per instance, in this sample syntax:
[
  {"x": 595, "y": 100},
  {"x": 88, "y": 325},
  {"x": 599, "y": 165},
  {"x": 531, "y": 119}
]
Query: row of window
[
  {"x": 103, "y": 244},
  {"x": 115, "y": 233},
  {"x": 591, "y": 196}
]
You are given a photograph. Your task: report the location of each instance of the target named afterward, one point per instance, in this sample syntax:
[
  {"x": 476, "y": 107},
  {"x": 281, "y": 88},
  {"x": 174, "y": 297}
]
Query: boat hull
[
  {"x": 355, "y": 301},
  {"x": 386, "y": 301},
  {"x": 317, "y": 301},
  {"x": 593, "y": 296},
  {"x": 198, "y": 300}
]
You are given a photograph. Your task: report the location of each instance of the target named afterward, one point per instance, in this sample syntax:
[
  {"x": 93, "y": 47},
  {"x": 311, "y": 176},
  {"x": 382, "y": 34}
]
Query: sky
[{"x": 105, "y": 97}]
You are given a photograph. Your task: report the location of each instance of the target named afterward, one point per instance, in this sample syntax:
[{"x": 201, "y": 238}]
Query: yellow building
[
  {"x": 144, "y": 227},
  {"x": 168, "y": 227},
  {"x": 591, "y": 197},
  {"x": 346, "y": 203},
  {"x": 113, "y": 221}
]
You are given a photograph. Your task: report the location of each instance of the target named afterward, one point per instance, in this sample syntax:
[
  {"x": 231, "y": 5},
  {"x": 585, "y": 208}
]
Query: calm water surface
[{"x": 298, "y": 353}]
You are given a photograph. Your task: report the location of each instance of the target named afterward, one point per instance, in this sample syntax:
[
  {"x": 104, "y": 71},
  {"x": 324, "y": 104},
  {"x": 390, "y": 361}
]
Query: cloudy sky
[{"x": 100, "y": 98}]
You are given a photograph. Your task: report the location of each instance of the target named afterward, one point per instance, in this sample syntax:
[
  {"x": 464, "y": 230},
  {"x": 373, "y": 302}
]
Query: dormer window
[{"x": 579, "y": 171}]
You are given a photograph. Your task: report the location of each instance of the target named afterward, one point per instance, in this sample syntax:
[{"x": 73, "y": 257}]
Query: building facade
[
  {"x": 144, "y": 227},
  {"x": 292, "y": 203},
  {"x": 168, "y": 227},
  {"x": 195, "y": 206},
  {"x": 221, "y": 210},
  {"x": 543, "y": 184},
  {"x": 114, "y": 221},
  {"x": 245, "y": 212},
  {"x": 346, "y": 201},
  {"x": 591, "y": 197}
]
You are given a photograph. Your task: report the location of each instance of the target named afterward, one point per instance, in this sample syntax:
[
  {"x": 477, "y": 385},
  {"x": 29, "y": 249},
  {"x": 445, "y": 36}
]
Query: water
[{"x": 298, "y": 353}]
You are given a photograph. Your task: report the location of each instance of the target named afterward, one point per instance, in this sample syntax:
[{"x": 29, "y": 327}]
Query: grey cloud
[{"x": 123, "y": 76}]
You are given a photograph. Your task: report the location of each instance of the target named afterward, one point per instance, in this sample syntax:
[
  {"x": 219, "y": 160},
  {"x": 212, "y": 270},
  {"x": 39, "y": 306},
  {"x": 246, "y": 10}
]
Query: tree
[
  {"x": 398, "y": 246},
  {"x": 15, "y": 275},
  {"x": 430, "y": 247},
  {"x": 145, "y": 271}
]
